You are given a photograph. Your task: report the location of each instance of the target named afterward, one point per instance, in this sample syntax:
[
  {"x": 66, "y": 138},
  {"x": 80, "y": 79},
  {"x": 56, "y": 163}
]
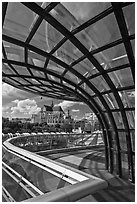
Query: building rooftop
[{"x": 48, "y": 108}]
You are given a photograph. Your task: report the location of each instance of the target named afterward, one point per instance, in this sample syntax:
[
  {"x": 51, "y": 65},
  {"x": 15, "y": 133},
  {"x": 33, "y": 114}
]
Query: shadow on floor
[{"x": 118, "y": 190}]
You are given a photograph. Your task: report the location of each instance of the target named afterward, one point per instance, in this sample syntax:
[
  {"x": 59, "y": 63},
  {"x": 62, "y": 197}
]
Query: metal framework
[{"x": 46, "y": 54}]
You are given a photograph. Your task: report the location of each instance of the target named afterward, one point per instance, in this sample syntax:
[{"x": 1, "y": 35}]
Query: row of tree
[{"x": 13, "y": 127}]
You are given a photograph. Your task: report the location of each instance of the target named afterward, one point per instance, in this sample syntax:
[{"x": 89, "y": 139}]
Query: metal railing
[
  {"x": 37, "y": 170},
  {"x": 45, "y": 141}
]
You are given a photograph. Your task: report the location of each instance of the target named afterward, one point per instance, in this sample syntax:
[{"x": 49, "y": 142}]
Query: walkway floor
[{"x": 93, "y": 162}]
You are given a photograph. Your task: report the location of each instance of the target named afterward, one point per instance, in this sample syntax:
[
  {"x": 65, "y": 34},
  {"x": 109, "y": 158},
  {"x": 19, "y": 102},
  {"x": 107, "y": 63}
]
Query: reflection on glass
[
  {"x": 46, "y": 37},
  {"x": 131, "y": 119},
  {"x": 128, "y": 98},
  {"x": 40, "y": 178},
  {"x": 68, "y": 52},
  {"x": 111, "y": 101},
  {"x": 112, "y": 57},
  {"x": 100, "y": 83},
  {"x": 118, "y": 120},
  {"x": 122, "y": 139},
  {"x": 129, "y": 14},
  {"x": 19, "y": 24},
  {"x": 75, "y": 13},
  {"x": 55, "y": 67}
]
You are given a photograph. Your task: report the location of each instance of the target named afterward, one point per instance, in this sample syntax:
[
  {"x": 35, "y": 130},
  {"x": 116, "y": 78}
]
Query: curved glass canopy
[{"x": 78, "y": 51}]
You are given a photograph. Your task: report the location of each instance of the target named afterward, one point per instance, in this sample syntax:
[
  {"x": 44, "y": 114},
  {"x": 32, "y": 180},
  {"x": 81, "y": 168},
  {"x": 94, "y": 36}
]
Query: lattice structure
[{"x": 78, "y": 52}]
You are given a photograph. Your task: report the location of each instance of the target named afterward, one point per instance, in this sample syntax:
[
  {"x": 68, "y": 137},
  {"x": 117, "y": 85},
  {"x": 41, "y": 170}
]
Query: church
[{"x": 50, "y": 115}]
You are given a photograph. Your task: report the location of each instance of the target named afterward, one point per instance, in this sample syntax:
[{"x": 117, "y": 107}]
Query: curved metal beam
[
  {"x": 110, "y": 144},
  {"x": 89, "y": 55}
]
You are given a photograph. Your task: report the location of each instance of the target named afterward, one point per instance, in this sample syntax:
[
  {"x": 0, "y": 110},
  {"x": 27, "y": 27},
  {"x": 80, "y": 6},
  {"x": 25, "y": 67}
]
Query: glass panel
[
  {"x": 100, "y": 83},
  {"x": 38, "y": 74},
  {"x": 46, "y": 83},
  {"x": 86, "y": 66},
  {"x": 6, "y": 69},
  {"x": 10, "y": 81},
  {"x": 53, "y": 78},
  {"x": 81, "y": 70},
  {"x": 68, "y": 52},
  {"x": 46, "y": 37},
  {"x": 21, "y": 80},
  {"x": 87, "y": 89},
  {"x": 14, "y": 52},
  {"x": 125, "y": 171},
  {"x": 19, "y": 24},
  {"x": 99, "y": 103},
  {"x": 129, "y": 13},
  {"x": 112, "y": 57},
  {"x": 33, "y": 81},
  {"x": 71, "y": 15},
  {"x": 128, "y": 98},
  {"x": 108, "y": 120},
  {"x": 86, "y": 40},
  {"x": 115, "y": 79},
  {"x": 36, "y": 59},
  {"x": 122, "y": 139},
  {"x": 118, "y": 120},
  {"x": 40, "y": 178},
  {"x": 115, "y": 162},
  {"x": 70, "y": 76},
  {"x": 124, "y": 76},
  {"x": 131, "y": 119},
  {"x": 55, "y": 67},
  {"x": 15, "y": 190},
  {"x": 38, "y": 89},
  {"x": 38, "y": 63},
  {"x": 66, "y": 84},
  {"x": 52, "y": 36},
  {"x": 111, "y": 101},
  {"x": 21, "y": 70},
  {"x": 61, "y": 14},
  {"x": 101, "y": 33}
]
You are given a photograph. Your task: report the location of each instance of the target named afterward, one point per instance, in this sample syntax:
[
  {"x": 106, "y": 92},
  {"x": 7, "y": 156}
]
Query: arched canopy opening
[{"x": 60, "y": 51}]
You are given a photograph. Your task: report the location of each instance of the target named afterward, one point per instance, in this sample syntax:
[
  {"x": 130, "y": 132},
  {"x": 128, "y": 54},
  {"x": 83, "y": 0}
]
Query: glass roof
[{"x": 88, "y": 55}]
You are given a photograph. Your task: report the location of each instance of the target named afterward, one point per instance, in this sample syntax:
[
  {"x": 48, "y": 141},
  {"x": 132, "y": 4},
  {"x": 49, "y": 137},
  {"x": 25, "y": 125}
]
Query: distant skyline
[{"x": 20, "y": 104}]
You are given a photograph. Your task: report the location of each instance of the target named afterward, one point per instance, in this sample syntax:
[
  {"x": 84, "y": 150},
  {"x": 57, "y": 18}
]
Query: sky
[{"x": 20, "y": 104}]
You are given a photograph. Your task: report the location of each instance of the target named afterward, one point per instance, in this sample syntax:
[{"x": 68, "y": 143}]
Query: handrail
[
  {"x": 7, "y": 195},
  {"x": 83, "y": 183},
  {"x": 70, "y": 175},
  {"x": 72, "y": 193},
  {"x": 21, "y": 178},
  {"x": 36, "y": 143},
  {"x": 20, "y": 183}
]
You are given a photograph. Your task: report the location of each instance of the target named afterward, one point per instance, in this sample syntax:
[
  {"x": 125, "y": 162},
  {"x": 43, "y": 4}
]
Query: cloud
[
  {"x": 26, "y": 106},
  {"x": 15, "y": 101},
  {"x": 5, "y": 108},
  {"x": 65, "y": 104},
  {"x": 75, "y": 110},
  {"x": 7, "y": 90}
]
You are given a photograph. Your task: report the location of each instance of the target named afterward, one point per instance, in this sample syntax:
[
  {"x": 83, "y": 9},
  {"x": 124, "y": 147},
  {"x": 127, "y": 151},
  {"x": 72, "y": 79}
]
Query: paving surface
[{"x": 93, "y": 162}]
